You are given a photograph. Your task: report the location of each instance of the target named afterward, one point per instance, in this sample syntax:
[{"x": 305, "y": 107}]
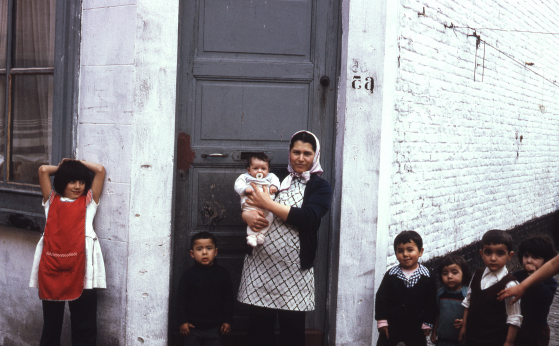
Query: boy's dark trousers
[
  {"x": 203, "y": 337},
  {"x": 83, "y": 317},
  {"x": 409, "y": 336}
]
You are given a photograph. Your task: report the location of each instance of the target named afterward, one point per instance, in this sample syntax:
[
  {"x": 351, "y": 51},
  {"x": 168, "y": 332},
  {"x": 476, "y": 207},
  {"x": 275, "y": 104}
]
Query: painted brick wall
[{"x": 470, "y": 155}]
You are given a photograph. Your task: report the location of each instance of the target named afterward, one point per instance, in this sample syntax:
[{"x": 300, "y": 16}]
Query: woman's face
[{"x": 301, "y": 156}]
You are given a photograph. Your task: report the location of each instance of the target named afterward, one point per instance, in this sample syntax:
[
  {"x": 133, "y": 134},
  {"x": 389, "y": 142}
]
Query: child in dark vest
[
  {"x": 533, "y": 252},
  {"x": 205, "y": 295},
  {"x": 405, "y": 306},
  {"x": 487, "y": 321}
]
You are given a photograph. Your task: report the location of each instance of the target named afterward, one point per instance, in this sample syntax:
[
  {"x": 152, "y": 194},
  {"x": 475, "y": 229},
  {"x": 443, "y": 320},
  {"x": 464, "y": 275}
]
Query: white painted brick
[
  {"x": 108, "y": 36},
  {"x": 459, "y": 166}
]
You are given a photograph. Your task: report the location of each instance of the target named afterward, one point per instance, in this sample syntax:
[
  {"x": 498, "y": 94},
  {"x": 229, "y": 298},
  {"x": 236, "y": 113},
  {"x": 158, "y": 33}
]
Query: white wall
[
  {"x": 460, "y": 166},
  {"x": 126, "y": 122},
  {"x": 21, "y": 319},
  {"x": 369, "y": 49},
  {"x": 106, "y": 105}
]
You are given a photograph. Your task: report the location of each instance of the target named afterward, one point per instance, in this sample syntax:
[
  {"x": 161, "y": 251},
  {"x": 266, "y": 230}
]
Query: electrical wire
[
  {"x": 496, "y": 29},
  {"x": 453, "y": 27}
]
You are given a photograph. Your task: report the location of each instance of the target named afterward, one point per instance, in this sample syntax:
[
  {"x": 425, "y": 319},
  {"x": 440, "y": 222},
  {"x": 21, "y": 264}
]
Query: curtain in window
[
  {"x": 32, "y": 94},
  {"x": 3, "y": 43}
]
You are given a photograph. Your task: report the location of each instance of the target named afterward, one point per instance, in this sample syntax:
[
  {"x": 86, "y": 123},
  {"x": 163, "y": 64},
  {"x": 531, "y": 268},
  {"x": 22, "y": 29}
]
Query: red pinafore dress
[{"x": 62, "y": 265}]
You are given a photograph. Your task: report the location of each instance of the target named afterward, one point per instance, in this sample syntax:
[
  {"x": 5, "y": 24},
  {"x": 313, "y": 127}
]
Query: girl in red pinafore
[{"x": 68, "y": 264}]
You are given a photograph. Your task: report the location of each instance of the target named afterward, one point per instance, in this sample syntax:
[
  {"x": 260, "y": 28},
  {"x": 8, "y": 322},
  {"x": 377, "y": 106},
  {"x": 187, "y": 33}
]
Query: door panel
[
  {"x": 259, "y": 27},
  {"x": 250, "y": 111},
  {"x": 249, "y": 74}
]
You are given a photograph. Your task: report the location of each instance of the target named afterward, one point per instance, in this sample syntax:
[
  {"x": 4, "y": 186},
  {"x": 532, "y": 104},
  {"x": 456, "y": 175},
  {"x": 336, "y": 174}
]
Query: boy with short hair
[
  {"x": 205, "y": 295},
  {"x": 258, "y": 172},
  {"x": 406, "y": 305},
  {"x": 487, "y": 321}
]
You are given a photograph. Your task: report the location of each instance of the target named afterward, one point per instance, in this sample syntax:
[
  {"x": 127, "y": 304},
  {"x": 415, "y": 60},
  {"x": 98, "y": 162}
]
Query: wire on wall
[{"x": 479, "y": 40}]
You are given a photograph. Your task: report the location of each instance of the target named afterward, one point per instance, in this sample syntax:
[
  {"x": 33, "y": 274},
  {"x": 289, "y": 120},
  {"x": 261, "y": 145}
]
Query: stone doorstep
[{"x": 313, "y": 337}]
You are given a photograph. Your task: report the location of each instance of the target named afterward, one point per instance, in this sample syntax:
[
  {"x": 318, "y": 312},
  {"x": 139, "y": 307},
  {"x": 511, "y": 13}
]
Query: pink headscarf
[{"x": 315, "y": 168}]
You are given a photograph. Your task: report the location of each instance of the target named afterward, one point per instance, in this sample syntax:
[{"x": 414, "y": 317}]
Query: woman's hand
[
  {"x": 255, "y": 220},
  {"x": 263, "y": 200},
  {"x": 259, "y": 199}
]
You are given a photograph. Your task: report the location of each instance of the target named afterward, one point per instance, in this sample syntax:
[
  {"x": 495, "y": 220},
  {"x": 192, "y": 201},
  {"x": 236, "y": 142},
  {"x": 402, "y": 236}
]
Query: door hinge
[{"x": 185, "y": 155}]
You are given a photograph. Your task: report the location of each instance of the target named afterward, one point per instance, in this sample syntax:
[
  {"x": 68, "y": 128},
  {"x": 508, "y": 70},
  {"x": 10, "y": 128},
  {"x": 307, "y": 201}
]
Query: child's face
[
  {"x": 74, "y": 189},
  {"x": 204, "y": 252},
  {"x": 531, "y": 263},
  {"x": 258, "y": 166},
  {"x": 408, "y": 254},
  {"x": 495, "y": 257},
  {"x": 452, "y": 277}
]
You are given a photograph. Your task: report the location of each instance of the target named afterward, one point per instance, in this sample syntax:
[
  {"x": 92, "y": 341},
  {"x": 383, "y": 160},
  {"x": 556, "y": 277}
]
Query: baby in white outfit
[{"x": 258, "y": 167}]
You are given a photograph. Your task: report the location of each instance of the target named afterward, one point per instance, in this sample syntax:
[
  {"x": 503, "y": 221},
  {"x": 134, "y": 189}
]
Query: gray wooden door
[{"x": 249, "y": 77}]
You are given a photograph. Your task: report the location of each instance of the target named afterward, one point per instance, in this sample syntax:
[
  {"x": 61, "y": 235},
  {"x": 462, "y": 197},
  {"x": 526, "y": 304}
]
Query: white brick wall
[{"x": 472, "y": 156}]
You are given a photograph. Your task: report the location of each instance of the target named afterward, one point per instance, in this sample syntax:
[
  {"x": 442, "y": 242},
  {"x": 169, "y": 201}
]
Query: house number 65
[{"x": 369, "y": 83}]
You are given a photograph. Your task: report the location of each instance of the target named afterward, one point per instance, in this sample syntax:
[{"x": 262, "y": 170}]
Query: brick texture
[{"x": 470, "y": 156}]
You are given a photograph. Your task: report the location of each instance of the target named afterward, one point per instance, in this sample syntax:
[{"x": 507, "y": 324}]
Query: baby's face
[{"x": 258, "y": 166}]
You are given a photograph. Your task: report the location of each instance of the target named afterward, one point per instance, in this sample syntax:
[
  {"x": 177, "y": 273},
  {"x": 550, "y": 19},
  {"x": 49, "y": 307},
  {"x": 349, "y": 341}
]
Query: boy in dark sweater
[
  {"x": 487, "y": 321},
  {"x": 406, "y": 301},
  {"x": 533, "y": 252},
  {"x": 205, "y": 295}
]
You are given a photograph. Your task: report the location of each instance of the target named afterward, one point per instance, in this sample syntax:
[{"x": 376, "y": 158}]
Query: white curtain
[
  {"x": 32, "y": 94},
  {"x": 3, "y": 42}
]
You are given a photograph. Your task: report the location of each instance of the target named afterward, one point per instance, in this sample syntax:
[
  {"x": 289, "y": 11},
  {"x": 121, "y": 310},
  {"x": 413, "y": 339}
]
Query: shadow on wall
[{"x": 547, "y": 224}]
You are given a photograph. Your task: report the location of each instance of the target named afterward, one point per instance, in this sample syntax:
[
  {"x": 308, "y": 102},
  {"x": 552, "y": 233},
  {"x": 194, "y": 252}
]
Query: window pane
[
  {"x": 34, "y": 33},
  {"x": 3, "y": 31},
  {"x": 32, "y": 126},
  {"x": 2, "y": 128}
]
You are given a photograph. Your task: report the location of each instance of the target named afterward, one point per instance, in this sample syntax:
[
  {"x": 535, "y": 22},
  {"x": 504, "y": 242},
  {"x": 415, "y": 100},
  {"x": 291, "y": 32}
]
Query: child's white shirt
[
  {"x": 244, "y": 180},
  {"x": 489, "y": 279}
]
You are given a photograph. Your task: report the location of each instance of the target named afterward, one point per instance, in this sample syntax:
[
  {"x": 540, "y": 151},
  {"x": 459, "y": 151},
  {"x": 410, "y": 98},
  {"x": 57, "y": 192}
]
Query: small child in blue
[
  {"x": 533, "y": 252},
  {"x": 455, "y": 274}
]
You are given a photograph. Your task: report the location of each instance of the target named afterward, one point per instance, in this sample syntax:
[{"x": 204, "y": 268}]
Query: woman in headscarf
[{"x": 278, "y": 276}]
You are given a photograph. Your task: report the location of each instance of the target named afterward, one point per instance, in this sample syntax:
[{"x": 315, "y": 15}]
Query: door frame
[{"x": 186, "y": 38}]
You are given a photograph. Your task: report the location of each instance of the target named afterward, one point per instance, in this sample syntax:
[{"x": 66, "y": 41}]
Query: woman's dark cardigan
[{"x": 316, "y": 203}]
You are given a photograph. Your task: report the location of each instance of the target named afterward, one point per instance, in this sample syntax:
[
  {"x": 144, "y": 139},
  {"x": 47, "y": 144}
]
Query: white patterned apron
[{"x": 272, "y": 276}]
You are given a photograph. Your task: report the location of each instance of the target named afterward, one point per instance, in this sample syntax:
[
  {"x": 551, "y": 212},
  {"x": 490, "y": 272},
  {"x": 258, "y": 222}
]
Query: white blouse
[{"x": 94, "y": 265}]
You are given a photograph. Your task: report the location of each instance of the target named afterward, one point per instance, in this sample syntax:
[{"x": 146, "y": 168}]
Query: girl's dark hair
[
  {"x": 72, "y": 170},
  {"x": 539, "y": 245},
  {"x": 459, "y": 261},
  {"x": 304, "y": 137},
  {"x": 406, "y": 237},
  {"x": 202, "y": 235}
]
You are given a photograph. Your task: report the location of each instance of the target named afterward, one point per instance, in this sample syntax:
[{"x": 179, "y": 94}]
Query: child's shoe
[
  {"x": 260, "y": 239},
  {"x": 252, "y": 240}
]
